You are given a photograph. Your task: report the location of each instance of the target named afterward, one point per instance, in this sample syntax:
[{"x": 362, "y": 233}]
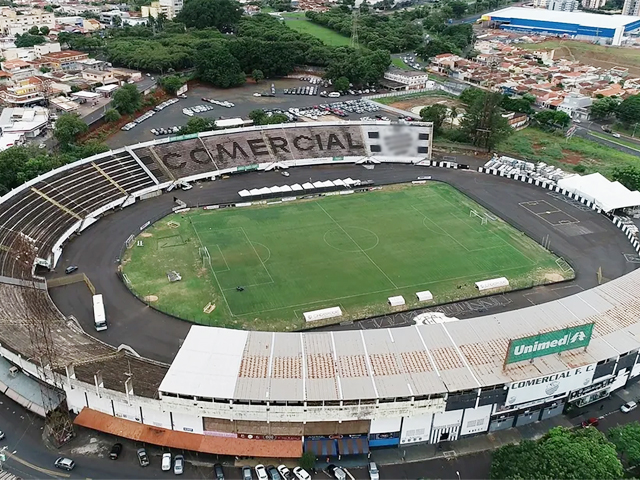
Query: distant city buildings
[
  {"x": 13, "y": 24},
  {"x": 563, "y": 5},
  {"x": 631, "y": 7},
  {"x": 593, "y": 4}
]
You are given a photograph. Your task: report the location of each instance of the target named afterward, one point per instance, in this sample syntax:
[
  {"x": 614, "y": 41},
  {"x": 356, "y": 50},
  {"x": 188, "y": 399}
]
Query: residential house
[
  {"x": 65, "y": 60},
  {"x": 18, "y": 68},
  {"x": 46, "y": 48},
  {"x": 576, "y": 106},
  {"x": 24, "y": 92},
  {"x": 29, "y": 122},
  {"x": 104, "y": 77}
]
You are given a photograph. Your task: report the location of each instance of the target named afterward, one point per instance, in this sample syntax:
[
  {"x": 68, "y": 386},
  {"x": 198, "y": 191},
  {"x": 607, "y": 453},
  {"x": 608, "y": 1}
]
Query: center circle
[{"x": 351, "y": 239}]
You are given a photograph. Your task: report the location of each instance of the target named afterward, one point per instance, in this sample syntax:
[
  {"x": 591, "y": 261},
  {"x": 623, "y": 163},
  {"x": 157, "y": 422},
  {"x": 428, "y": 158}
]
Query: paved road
[
  {"x": 593, "y": 131},
  {"x": 595, "y": 243}
]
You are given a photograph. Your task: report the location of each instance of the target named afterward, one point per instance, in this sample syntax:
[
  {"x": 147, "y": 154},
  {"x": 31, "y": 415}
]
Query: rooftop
[{"x": 580, "y": 18}]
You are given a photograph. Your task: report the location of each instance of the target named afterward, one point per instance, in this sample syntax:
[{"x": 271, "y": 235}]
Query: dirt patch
[
  {"x": 571, "y": 158},
  {"x": 146, "y": 234},
  {"x": 553, "y": 277},
  {"x": 425, "y": 102},
  {"x": 150, "y": 298}
]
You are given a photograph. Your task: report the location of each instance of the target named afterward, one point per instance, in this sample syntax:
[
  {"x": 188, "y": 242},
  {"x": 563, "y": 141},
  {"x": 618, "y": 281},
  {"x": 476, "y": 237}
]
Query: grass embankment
[
  {"x": 537, "y": 146},
  {"x": 298, "y": 22}
]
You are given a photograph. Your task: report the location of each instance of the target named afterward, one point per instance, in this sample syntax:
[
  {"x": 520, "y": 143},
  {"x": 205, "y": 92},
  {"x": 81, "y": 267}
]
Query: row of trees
[{"x": 564, "y": 453}]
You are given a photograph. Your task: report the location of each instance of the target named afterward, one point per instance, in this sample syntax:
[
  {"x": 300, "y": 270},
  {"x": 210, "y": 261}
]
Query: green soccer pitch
[{"x": 352, "y": 251}]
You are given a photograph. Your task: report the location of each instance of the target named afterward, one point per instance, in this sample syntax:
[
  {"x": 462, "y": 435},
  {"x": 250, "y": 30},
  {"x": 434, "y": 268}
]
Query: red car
[{"x": 591, "y": 422}]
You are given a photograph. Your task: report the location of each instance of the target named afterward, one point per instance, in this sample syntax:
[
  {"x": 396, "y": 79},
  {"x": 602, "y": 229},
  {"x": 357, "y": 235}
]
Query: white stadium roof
[
  {"x": 603, "y": 193},
  {"x": 400, "y": 362},
  {"x": 580, "y": 18}
]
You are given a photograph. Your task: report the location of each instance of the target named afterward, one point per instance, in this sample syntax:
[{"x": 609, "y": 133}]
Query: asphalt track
[{"x": 588, "y": 243}]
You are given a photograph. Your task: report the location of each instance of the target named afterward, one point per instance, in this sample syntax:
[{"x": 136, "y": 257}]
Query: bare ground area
[{"x": 426, "y": 101}]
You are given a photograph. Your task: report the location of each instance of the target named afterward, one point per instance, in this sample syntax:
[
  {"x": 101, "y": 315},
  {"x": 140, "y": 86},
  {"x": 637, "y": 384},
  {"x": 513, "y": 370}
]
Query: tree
[
  {"x": 260, "y": 117},
  {"x": 171, "y": 83},
  {"x": 629, "y": 110},
  {"x": 629, "y": 176},
  {"x": 217, "y": 66},
  {"x": 561, "y": 453},
  {"x": 470, "y": 95},
  {"x": 34, "y": 30},
  {"x": 521, "y": 105},
  {"x": 116, "y": 21},
  {"x": 257, "y": 75},
  {"x": 435, "y": 113},
  {"x": 459, "y": 8},
  {"x": 27, "y": 40},
  {"x": 111, "y": 115},
  {"x": 626, "y": 438},
  {"x": 197, "y": 125},
  {"x": 453, "y": 114},
  {"x": 604, "y": 107},
  {"x": 341, "y": 84},
  {"x": 44, "y": 30},
  {"x": 127, "y": 99},
  {"x": 68, "y": 127},
  {"x": 220, "y": 14},
  {"x": 552, "y": 119},
  {"x": 484, "y": 123},
  {"x": 308, "y": 461}
]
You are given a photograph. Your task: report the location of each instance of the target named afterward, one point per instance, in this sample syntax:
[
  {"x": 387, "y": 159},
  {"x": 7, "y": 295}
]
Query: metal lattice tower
[
  {"x": 44, "y": 354},
  {"x": 354, "y": 42}
]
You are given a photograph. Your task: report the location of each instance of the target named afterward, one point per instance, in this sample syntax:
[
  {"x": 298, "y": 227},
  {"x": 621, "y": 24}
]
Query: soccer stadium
[{"x": 325, "y": 287}]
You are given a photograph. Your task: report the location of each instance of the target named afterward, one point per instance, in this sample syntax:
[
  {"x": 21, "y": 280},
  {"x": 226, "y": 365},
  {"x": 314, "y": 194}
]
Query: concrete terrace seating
[
  {"x": 125, "y": 171},
  {"x": 50, "y": 207},
  {"x": 20, "y": 303},
  {"x": 147, "y": 157}
]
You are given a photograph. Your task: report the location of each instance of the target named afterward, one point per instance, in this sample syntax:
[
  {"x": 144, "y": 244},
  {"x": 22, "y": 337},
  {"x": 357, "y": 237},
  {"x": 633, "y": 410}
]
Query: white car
[
  {"x": 261, "y": 472},
  {"x": 374, "y": 474},
  {"x": 284, "y": 471},
  {"x": 178, "y": 465},
  {"x": 166, "y": 462},
  {"x": 627, "y": 407},
  {"x": 301, "y": 473},
  {"x": 284, "y": 174},
  {"x": 616, "y": 135}
]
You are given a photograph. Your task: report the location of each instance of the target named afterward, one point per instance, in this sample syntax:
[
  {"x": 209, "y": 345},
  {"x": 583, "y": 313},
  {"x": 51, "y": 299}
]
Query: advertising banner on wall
[
  {"x": 548, "y": 343},
  {"x": 537, "y": 388}
]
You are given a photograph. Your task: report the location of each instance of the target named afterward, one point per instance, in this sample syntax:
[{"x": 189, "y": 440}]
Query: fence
[{"x": 71, "y": 279}]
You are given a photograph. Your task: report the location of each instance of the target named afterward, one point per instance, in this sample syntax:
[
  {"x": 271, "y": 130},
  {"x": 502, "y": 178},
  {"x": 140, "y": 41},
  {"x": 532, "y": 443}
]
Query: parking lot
[{"x": 243, "y": 101}]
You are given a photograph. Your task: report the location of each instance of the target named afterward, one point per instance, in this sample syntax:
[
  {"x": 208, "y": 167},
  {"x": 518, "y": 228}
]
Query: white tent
[
  {"x": 296, "y": 187},
  {"x": 396, "y": 301},
  {"x": 244, "y": 193},
  {"x": 424, "y": 296},
  {"x": 603, "y": 193}
]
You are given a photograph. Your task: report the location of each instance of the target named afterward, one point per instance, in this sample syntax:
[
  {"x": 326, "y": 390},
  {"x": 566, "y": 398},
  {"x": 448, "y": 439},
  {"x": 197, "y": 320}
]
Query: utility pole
[{"x": 354, "y": 42}]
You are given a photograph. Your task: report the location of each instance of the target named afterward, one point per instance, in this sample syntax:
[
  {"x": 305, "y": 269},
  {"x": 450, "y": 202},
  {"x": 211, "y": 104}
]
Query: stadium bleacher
[{"x": 125, "y": 171}]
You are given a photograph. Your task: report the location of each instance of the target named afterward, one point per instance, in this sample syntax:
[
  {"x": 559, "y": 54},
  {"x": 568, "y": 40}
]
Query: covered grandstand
[{"x": 608, "y": 29}]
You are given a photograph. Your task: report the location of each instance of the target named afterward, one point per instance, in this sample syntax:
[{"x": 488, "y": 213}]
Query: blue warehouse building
[{"x": 609, "y": 29}]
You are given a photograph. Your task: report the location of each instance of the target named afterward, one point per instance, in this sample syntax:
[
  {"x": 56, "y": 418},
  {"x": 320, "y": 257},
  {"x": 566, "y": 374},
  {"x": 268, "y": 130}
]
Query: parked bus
[{"x": 99, "y": 317}]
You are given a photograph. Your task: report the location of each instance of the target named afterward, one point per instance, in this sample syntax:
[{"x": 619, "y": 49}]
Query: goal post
[
  {"x": 483, "y": 219},
  {"x": 206, "y": 257}
]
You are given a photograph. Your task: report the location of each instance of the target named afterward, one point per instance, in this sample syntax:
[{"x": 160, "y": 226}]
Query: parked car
[
  {"x": 261, "y": 472},
  {"x": 178, "y": 465},
  {"x": 336, "y": 472},
  {"x": 301, "y": 473},
  {"x": 627, "y": 407},
  {"x": 616, "y": 135},
  {"x": 374, "y": 474},
  {"x": 284, "y": 174},
  {"x": 115, "y": 452},
  {"x": 217, "y": 470},
  {"x": 166, "y": 462},
  {"x": 590, "y": 422},
  {"x": 273, "y": 473},
  {"x": 284, "y": 471},
  {"x": 70, "y": 269},
  {"x": 246, "y": 473},
  {"x": 64, "y": 463},
  {"x": 143, "y": 459}
]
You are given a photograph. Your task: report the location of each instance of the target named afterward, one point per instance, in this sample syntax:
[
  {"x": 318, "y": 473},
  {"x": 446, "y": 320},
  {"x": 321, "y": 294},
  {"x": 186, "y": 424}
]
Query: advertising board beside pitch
[
  {"x": 542, "y": 344},
  {"x": 549, "y": 385}
]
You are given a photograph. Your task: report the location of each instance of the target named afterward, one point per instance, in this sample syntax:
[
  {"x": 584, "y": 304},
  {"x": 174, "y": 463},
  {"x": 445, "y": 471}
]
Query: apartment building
[
  {"x": 65, "y": 60},
  {"x": 13, "y": 24},
  {"x": 593, "y": 4},
  {"x": 563, "y": 5},
  {"x": 104, "y": 77},
  {"x": 631, "y": 7},
  {"x": 25, "y": 92},
  {"x": 18, "y": 68}
]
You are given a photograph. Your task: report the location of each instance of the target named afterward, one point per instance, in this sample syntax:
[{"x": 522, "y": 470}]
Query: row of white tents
[
  {"x": 604, "y": 193},
  {"x": 297, "y": 189}
]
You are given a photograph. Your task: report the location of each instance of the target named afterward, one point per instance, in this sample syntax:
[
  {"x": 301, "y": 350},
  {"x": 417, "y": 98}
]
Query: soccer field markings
[
  {"x": 324, "y": 237},
  {"x": 544, "y": 208},
  {"x": 426, "y": 217},
  {"x": 222, "y": 255},
  {"x": 268, "y": 250},
  {"x": 356, "y": 244},
  {"x": 256, "y": 252}
]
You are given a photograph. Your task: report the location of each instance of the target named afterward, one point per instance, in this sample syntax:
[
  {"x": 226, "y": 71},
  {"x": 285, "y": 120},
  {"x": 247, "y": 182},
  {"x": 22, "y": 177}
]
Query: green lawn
[
  {"x": 329, "y": 37},
  {"x": 398, "y": 63},
  {"x": 537, "y": 146},
  {"x": 351, "y": 251}
]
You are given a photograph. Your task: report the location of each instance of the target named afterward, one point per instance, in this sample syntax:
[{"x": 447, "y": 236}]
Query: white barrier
[{"x": 315, "y": 315}]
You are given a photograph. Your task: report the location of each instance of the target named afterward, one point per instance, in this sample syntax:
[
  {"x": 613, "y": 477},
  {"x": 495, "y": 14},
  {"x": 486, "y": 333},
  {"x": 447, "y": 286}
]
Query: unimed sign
[{"x": 535, "y": 346}]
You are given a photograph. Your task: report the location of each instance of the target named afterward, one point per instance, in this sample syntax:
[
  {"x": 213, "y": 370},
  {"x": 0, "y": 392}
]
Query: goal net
[
  {"x": 206, "y": 258},
  {"x": 483, "y": 219}
]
